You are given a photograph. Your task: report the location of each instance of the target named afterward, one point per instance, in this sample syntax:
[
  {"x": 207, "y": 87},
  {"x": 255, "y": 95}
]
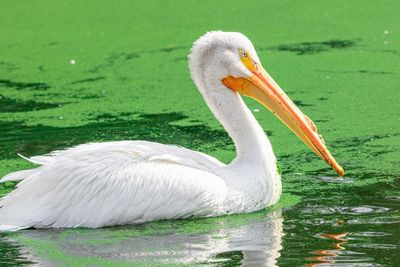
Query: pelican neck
[{"x": 249, "y": 138}]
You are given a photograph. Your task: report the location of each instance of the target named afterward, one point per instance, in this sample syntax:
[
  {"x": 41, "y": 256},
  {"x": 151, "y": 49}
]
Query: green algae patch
[
  {"x": 278, "y": 168},
  {"x": 6, "y": 187},
  {"x": 10, "y": 165},
  {"x": 287, "y": 200}
]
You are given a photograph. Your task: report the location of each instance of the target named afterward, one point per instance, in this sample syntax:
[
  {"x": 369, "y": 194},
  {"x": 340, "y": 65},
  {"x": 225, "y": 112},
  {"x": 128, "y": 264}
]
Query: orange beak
[{"x": 264, "y": 89}]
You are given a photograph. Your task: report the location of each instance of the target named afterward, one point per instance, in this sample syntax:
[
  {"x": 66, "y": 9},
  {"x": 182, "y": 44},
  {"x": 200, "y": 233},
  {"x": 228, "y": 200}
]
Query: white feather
[
  {"x": 19, "y": 175},
  {"x": 11, "y": 228},
  {"x": 115, "y": 183}
]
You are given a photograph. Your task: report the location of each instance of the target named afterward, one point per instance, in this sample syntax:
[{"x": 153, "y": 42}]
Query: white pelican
[{"x": 115, "y": 183}]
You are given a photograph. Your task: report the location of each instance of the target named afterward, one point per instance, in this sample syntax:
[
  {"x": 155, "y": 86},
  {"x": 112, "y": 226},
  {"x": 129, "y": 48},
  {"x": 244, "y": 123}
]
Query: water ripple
[{"x": 359, "y": 210}]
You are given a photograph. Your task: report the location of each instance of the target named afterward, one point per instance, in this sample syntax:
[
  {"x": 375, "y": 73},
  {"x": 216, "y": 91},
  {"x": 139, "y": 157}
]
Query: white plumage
[{"x": 115, "y": 183}]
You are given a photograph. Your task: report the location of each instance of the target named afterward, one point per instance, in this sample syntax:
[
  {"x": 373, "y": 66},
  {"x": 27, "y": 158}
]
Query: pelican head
[{"x": 226, "y": 63}]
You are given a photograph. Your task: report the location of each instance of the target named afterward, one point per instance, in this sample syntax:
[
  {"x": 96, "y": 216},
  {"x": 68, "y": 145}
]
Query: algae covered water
[{"x": 77, "y": 72}]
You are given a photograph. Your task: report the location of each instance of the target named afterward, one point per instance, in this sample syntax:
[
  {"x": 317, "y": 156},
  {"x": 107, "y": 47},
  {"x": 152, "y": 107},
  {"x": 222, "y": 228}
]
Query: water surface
[{"x": 72, "y": 73}]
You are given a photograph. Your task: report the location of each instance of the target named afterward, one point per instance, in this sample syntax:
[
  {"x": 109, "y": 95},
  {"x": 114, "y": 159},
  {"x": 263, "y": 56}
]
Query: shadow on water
[
  {"x": 39, "y": 139},
  {"x": 309, "y": 48},
  {"x": 117, "y": 57},
  {"x": 13, "y": 105},
  {"x": 300, "y": 103},
  {"x": 22, "y": 85},
  {"x": 89, "y": 80}
]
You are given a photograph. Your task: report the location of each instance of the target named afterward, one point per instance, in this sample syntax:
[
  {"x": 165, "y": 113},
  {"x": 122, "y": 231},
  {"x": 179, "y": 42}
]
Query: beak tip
[{"x": 340, "y": 171}]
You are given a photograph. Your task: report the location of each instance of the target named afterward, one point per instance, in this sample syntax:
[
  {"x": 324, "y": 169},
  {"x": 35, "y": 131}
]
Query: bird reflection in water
[
  {"x": 328, "y": 256},
  {"x": 241, "y": 240}
]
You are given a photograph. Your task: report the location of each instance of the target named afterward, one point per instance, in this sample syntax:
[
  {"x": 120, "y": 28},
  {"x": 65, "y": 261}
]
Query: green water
[{"x": 338, "y": 60}]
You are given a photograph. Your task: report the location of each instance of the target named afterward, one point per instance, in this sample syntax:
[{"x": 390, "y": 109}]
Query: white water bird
[{"x": 116, "y": 183}]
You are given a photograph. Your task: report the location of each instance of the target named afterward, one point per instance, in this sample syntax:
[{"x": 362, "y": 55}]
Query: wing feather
[{"x": 103, "y": 184}]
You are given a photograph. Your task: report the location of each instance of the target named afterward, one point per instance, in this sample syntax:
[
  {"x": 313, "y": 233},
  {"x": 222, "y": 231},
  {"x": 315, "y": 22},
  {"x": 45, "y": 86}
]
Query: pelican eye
[
  {"x": 243, "y": 53},
  {"x": 247, "y": 61}
]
